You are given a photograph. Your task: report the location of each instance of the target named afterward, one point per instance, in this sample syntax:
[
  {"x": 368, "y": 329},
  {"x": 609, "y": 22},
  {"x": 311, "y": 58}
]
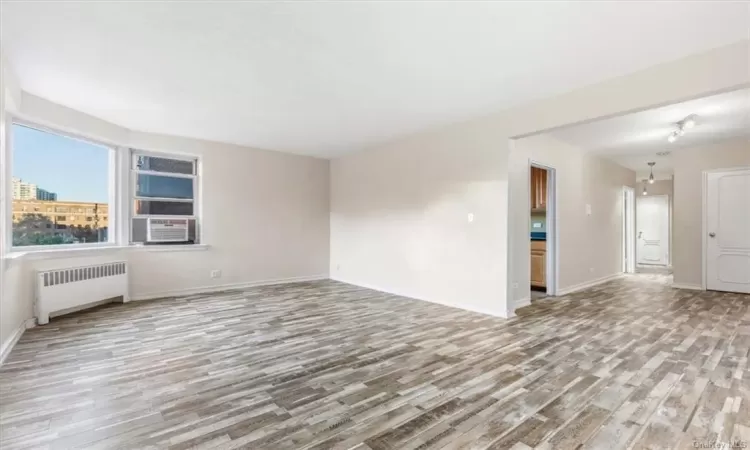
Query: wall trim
[
  {"x": 526, "y": 301},
  {"x": 693, "y": 287},
  {"x": 224, "y": 287},
  {"x": 588, "y": 284},
  {"x": 388, "y": 291},
  {"x": 11, "y": 343},
  {"x": 523, "y": 302}
]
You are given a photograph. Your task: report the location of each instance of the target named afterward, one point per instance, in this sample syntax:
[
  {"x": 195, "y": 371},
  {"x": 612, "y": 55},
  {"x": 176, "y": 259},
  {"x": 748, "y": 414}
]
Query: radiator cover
[{"x": 64, "y": 290}]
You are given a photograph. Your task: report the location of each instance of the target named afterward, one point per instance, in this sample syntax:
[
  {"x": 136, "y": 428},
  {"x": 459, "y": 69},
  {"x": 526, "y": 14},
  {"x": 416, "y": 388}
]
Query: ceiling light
[
  {"x": 645, "y": 192},
  {"x": 651, "y": 177},
  {"x": 672, "y": 137},
  {"x": 689, "y": 122},
  {"x": 680, "y": 131}
]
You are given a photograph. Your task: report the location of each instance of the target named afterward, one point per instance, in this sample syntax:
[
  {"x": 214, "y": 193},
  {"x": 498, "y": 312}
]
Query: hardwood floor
[{"x": 629, "y": 364}]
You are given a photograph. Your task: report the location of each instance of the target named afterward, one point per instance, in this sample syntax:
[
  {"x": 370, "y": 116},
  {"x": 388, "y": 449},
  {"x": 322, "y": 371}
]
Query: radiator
[{"x": 65, "y": 290}]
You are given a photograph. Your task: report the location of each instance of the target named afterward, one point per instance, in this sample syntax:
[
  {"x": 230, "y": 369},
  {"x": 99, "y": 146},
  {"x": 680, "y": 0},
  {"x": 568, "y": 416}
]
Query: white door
[
  {"x": 652, "y": 216},
  {"x": 728, "y": 231}
]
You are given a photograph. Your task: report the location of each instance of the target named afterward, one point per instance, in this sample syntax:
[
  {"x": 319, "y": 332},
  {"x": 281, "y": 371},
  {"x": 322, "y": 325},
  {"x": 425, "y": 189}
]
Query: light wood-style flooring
[{"x": 629, "y": 364}]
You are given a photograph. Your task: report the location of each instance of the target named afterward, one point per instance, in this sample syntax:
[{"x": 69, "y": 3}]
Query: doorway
[
  {"x": 543, "y": 231},
  {"x": 652, "y": 240},
  {"x": 628, "y": 229},
  {"x": 726, "y": 241}
]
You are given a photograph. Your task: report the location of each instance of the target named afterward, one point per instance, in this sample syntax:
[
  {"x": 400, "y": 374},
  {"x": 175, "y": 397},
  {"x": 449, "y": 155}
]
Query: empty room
[{"x": 374, "y": 225}]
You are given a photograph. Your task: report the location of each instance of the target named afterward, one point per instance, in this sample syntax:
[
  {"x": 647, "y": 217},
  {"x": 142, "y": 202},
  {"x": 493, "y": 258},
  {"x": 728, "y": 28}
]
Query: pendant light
[
  {"x": 645, "y": 192},
  {"x": 651, "y": 177}
]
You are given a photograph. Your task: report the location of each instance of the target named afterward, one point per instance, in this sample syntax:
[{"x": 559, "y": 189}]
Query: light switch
[
  {"x": 588, "y": 209},
  {"x": 470, "y": 217}
]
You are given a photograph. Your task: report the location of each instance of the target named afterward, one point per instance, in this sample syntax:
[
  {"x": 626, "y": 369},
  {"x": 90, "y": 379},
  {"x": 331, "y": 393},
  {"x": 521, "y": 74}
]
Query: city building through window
[{"x": 54, "y": 174}]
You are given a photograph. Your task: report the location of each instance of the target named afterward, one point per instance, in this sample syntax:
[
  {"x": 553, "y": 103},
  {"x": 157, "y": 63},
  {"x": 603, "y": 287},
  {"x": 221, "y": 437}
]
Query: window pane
[
  {"x": 152, "y": 207},
  {"x": 54, "y": 174},
  {"x": 166, "y": 187},
  {"x": 164, "y": 165}
]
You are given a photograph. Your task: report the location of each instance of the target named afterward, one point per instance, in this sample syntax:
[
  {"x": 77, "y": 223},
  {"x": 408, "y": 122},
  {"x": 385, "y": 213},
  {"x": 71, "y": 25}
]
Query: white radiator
[{"x": 65, "y": 290}]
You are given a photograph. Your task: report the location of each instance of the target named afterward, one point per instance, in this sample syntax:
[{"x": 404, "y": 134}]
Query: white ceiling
[
  {"x": 632, "y": 140},
  {"x": 324, "y": 78}
]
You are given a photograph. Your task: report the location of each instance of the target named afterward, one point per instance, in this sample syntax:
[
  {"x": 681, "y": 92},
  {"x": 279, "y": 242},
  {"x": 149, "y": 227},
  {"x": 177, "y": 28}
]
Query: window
[
  {"x": 50, "y": 169},
  {"x": 162, "y": 186}
]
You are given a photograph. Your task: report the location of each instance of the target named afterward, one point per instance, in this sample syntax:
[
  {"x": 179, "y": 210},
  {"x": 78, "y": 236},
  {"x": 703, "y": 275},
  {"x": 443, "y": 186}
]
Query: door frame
[
  {"x": 628, "y": 229},
  {"x": 669, "y": 232},
  {"x": 704, "y": 220},
  {"x": 552, "y": 253}
]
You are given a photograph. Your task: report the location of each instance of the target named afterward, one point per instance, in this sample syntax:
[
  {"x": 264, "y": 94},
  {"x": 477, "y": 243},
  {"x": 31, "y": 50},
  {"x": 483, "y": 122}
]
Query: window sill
[
  {"x": 34, "y": 255},
  {"x": 169, "y": 248}
]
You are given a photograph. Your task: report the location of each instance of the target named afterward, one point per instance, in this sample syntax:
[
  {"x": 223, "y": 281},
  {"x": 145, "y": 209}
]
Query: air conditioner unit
[{"x": 167, "y": 230}]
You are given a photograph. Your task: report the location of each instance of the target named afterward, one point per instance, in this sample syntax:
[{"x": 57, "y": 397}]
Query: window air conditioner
[{"x": 167, "y": 230}]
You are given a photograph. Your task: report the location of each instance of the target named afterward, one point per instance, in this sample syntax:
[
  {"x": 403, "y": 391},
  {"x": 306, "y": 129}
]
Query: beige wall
[
  {"x": 410, "y": 199},
  {"x": 689, "y": 165},
  {"x": 659, "y": 187},
  {"x": 590, "y": 246}
]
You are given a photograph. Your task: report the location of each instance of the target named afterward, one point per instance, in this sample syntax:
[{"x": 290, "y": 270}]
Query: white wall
[
  {"x": 265, "y": 217},
  {"x": 399, "y": 218},
  {"x": 12, "y": 309},
  {"x": 689, "y": 165},
  {"x": 590, "y": 246},
  {"x": 410, "y": 198}
]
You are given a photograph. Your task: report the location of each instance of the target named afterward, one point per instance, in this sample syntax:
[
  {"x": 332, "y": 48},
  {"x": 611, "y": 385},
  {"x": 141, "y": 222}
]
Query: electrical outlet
[
  {"x": 515, "y": 285},
  {"x": 591, "y": 269},
  {"x": 216, "y": 273},
  {"x": 470, "y": 217},
  {"x": 338, "y": 267}
]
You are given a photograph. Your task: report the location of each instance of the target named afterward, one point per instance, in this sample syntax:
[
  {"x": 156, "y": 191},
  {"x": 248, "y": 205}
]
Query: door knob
[{"x": 712, "y": 234}]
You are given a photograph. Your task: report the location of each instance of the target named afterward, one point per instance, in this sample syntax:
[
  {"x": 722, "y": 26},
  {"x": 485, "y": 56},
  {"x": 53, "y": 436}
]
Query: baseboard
[
  {"x": 8, "y": 346},
  {"x": 224, "y": 287},
  {"x": 518, "y": 305},
  {"x": 692, "y": 287},
  {"x": 388, "y": 291},
  {"x": 523, "y": 302},
  {"x": 588, "y": 284}
]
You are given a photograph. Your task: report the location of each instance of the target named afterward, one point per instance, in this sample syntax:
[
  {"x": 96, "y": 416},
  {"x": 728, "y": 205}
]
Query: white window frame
[
  {"x": 133, "y": 154},
  {"x": 120, "y": 201},
  {"x": 112, "y": 225}
]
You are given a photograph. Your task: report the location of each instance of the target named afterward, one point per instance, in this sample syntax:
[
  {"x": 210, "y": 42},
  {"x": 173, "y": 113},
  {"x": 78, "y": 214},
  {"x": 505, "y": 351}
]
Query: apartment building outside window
[{"x": 53, "y": 174}]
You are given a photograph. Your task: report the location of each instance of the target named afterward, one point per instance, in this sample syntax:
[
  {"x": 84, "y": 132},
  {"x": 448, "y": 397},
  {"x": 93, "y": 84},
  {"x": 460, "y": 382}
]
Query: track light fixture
[
  {"x": 689, "y": 122},
  {"x": 680, "y": 127},
  {"x": 651, "y": 177}
]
